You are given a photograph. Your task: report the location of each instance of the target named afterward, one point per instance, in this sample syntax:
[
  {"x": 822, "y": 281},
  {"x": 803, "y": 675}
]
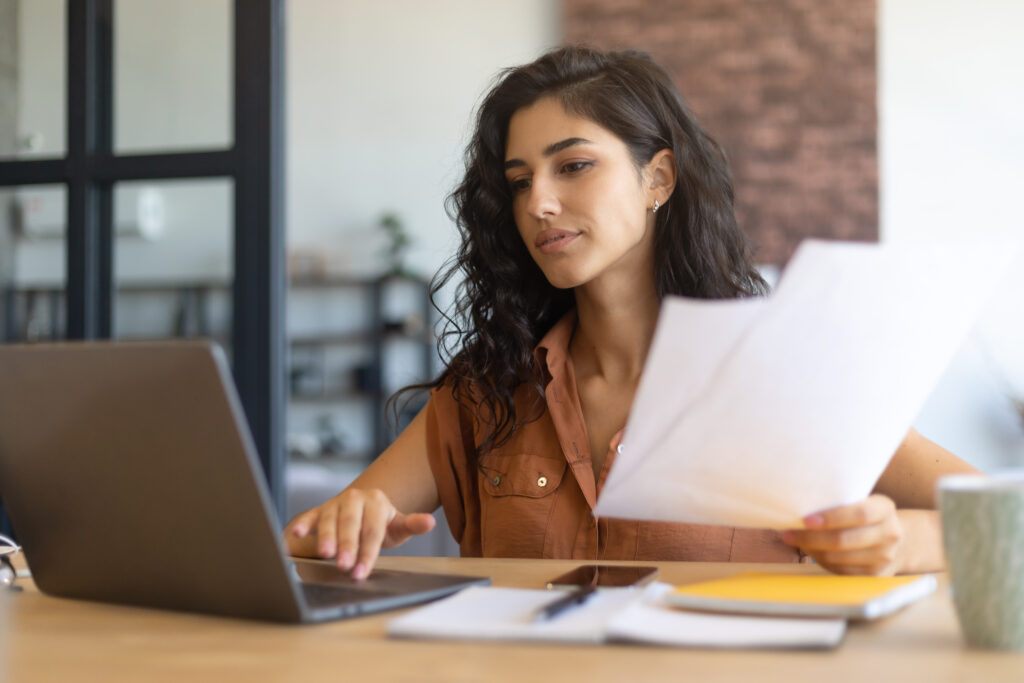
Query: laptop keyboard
[{"x": 321, "y": 595}]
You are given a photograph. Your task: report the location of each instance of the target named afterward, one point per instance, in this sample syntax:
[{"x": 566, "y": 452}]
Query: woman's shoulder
[
  {"x": 475, "y": 393},
  {"x": 465, "y": 405},
  {"x": 454, "y": 393},
  {"x": 456, "y": 401}
]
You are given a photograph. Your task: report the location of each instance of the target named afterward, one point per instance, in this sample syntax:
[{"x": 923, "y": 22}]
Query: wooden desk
[{"x": 52, "y": 639}]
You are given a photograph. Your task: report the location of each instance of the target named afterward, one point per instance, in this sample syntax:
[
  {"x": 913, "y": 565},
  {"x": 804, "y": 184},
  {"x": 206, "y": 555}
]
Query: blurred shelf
[
  {"x": 353, "y": 460},
  {"x": 329, "y": 339},
  {"x": 358, "y": 337},
  {"x": 193, "y": 309},
  {"x": 329, "y": 397}
]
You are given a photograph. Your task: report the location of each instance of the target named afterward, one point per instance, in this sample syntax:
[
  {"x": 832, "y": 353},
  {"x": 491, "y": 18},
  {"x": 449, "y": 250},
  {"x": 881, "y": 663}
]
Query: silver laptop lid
[{"x": 126, "y": 483}]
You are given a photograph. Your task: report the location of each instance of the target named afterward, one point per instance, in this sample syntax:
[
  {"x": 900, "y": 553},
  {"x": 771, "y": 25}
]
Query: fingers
[
  {"x": 385, "y": 527},
  {"x": 872, "y": 510},
  {"x": 353, "y": 527},
  {"x": 838, "y": 539},
  {"x": 403, "y": 526},
  {"x": 326, "y": 531},
  {"x": 297, "y": 538},
  {"x": 350, "y": 517},
  {"x": 302, "y": 523},
  {"x": 377, "y": 513},
  {"x": 876, "y": 561},
  {"x": 849, "y": 527},
  {"x": 863, "y": 538},
  {"x": 418, "y": 523}
]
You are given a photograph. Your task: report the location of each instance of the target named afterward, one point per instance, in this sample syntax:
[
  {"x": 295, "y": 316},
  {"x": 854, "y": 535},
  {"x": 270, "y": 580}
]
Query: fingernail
[
  {"x": 814, "y": 521},
  {"x": 788, "y": 536},
  {"x": 344, "y": 559},
  {"x": 299, "y": 531},
  {"x": 360, "y": 572},
  {"x": 326, "y": 550}
]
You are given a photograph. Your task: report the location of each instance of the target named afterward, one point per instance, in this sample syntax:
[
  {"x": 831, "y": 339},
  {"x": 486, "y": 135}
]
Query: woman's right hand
[{"x": 353, "y": 527}]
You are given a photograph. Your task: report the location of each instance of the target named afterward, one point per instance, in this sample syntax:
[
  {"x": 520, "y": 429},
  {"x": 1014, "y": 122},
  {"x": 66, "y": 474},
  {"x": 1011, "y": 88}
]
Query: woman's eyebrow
[{"x": 553, "y": 148}]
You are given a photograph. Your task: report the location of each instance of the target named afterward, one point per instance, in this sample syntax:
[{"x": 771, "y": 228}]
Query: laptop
[{"x": 130, "y": 476}]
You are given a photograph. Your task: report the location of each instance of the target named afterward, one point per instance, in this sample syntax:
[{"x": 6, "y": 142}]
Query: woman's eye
[
  {"x": 519, "y": 184},
  {"x": 575, "y": 166}
]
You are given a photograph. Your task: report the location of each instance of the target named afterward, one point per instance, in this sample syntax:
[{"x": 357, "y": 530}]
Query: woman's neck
[{"x": 614, "y": 331}]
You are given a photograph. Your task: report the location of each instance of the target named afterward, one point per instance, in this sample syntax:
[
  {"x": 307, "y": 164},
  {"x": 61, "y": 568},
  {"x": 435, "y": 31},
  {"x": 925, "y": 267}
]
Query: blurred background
[{"x": 895, "y": 120}]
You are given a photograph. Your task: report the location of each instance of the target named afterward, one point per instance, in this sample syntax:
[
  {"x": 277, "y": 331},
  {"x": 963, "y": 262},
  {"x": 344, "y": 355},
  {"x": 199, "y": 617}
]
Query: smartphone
[{"x": 604, "y": 575}]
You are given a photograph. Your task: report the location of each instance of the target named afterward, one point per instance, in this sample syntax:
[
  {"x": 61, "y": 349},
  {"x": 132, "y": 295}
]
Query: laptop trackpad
[{"x": 379, "y": 582}]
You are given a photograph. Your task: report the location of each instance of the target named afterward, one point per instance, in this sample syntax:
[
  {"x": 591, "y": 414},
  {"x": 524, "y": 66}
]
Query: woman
[{"x": 590, "y": 193}]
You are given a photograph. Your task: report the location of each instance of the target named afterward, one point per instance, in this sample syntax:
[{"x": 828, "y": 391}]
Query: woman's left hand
[{"x": 863, "y": 538}]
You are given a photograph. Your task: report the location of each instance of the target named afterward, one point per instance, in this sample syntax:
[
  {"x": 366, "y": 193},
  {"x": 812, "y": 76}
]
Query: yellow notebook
[{"x": 813, "y": 595}]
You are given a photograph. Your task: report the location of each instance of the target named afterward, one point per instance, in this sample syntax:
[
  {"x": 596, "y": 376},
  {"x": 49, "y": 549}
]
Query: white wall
[
  {"x": 951, "y": 156},
  {"x": 951, "y": 94},
  {"x": 380, "y": 98}
]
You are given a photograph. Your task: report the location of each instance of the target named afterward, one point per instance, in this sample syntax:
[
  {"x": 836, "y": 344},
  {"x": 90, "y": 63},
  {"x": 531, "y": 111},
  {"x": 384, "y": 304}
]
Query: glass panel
[
  {"x": 33, "y": 109},
  {"x": 173, "y": 259},
  {"x": 172, "y": 75},
  {"x": 32, "y": 263}
]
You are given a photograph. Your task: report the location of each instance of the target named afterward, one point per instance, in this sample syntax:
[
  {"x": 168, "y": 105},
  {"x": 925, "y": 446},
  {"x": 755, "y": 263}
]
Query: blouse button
[
  {"x": 542, "y": 482},
  {"x": 496, "y": 480}
]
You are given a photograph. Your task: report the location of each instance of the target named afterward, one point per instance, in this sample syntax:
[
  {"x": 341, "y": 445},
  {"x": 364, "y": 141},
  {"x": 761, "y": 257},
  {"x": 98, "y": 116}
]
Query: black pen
[{"x": 553, "y": 609}]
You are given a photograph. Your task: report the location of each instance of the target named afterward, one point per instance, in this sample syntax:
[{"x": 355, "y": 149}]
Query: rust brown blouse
[{"x": 534, "y": 495}]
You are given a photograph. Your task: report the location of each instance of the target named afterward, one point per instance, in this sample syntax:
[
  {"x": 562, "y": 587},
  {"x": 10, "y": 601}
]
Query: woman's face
[{"x": 580, "y": 204}]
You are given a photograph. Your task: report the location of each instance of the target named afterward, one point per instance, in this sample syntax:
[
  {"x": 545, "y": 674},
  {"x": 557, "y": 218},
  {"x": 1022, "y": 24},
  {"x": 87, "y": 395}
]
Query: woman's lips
[{"x": 553, "y": 240}]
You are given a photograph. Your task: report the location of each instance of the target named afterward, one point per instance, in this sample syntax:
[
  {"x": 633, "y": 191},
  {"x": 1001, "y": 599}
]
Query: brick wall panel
[{"x": 786, "y": 86}]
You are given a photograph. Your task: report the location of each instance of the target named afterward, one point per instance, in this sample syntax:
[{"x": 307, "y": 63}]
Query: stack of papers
[
  {"x": 613, "y": 615},
  {"x": 758, "y": 412}
]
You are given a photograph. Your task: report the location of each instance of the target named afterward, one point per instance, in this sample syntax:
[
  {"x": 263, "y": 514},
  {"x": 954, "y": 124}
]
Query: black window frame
[{"x": 255, "y": 163}]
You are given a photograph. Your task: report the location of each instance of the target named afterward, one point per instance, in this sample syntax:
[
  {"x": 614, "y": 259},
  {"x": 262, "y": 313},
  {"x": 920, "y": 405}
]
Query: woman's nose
[{"x": 542, "y": 201}]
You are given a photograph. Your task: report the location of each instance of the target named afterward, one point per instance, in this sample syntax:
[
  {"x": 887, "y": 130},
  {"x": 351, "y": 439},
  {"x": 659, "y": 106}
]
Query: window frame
[{"x": 255, "y": 163}]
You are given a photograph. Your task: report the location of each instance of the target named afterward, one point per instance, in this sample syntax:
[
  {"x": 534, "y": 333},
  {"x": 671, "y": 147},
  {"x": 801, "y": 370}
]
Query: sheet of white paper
[
  {"x": 794, "y": 403},
  {"x": 652, "y": 621},
  {"x": 690, "y": 359},
  {"x": 488, "y": 613}
]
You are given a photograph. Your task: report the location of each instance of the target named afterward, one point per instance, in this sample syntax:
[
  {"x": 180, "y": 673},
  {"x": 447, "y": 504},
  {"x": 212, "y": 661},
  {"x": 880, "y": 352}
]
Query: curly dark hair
[{"x": 503, "y": 303}]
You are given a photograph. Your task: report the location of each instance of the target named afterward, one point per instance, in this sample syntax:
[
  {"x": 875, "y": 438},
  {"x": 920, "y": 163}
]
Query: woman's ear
[{"x": 661, "y": 177}]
